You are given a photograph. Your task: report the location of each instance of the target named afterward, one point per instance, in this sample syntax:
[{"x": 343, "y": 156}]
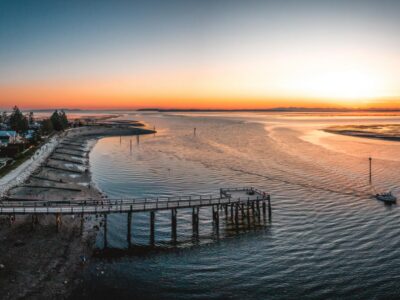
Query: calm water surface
[{"x": 327, "y": 238}]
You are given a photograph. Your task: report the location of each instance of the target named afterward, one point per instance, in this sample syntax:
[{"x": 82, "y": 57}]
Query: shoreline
[
  {"x": 367, "y": 135},
  {"x": 36, "y": 261},
  {"x": 22, "y": 172}
]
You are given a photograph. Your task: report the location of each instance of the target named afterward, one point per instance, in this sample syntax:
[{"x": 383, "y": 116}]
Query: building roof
[{"x": 8, "y": 133}]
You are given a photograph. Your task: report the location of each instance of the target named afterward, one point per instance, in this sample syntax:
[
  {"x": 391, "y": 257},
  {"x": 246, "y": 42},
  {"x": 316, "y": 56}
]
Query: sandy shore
[
  {"x": 36, "y": 261},
  {"x": 389, "y": 132}
]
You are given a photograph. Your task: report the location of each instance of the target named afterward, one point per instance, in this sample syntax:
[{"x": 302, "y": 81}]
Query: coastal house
[
  {"x": 34, "y": 126},
  {"x": 3, "y": 126},
  {"x": 7, "y": 137},
  {"x": 29, "y": 134}
]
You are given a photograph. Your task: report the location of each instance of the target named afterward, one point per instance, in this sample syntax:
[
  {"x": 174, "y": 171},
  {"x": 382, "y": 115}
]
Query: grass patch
[{"x": 18, "y": 161}]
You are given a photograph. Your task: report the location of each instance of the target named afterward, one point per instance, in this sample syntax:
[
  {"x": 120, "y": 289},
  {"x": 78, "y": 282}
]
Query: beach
[{"x": 38, "y": 261}]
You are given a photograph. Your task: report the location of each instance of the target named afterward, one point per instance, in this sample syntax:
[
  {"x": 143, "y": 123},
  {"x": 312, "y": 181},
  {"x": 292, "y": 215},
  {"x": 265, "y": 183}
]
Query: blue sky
[{"x": 50, "y": 42}]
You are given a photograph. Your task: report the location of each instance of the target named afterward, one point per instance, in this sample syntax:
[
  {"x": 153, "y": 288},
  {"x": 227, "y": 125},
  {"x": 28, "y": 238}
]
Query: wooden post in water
[
  {"x": 152, "y": 219},
  {"x": 129, "y": 235},
  {"x": 370, "y": 170},
  {"x": 173, "y": 224}
]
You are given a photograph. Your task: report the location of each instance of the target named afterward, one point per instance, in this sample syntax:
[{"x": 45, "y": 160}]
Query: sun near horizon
[{"x": 187, "y": 54}]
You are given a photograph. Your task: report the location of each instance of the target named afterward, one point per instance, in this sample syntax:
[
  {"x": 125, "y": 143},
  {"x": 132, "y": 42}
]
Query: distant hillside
[{"x": 277, "y": 109}]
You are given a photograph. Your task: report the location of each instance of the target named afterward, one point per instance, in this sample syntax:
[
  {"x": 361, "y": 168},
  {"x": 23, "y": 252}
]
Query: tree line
[{"x": 20, "y": 123}]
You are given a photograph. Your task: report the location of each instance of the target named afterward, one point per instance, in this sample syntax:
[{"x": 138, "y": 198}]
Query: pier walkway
[
  {"x": 104, "y": 206},
  {"x": 246, "y": 202}
]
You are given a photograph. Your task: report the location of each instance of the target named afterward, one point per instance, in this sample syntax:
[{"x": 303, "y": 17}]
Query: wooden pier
[{"x": 234, "y": 202}]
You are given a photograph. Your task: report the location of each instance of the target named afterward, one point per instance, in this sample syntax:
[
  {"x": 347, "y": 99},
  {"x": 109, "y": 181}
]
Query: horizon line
[{"x": 274, "y": 109}]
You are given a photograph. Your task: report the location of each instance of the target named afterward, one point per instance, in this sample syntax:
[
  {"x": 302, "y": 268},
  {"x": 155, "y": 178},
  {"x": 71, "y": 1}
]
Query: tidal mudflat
[{"x": 376, "y": 131}]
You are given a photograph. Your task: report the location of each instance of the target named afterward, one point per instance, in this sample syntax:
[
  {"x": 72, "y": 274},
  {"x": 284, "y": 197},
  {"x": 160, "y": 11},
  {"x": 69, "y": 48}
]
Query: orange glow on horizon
[{"x": 205, "y": 89}]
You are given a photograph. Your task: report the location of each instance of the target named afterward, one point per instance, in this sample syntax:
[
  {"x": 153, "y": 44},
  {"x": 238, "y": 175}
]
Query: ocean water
[{"x": 328, "y": 238}]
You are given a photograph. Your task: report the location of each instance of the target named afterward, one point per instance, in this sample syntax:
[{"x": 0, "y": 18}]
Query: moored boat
[{"x": 386, "y": 197}]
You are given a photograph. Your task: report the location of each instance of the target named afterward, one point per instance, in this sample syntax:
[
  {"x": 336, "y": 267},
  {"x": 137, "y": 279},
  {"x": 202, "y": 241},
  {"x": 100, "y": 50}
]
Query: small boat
[{"x": 386, "y": 197}]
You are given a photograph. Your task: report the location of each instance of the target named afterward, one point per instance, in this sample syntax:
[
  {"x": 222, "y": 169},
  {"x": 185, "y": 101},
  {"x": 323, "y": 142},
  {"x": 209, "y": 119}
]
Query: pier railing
[
  {"x": 106, "y": 205},
  {"x": 250, "y": 203}
]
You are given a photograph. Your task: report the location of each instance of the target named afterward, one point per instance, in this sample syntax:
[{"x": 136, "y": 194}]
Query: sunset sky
[{"x": 199, "y": 54}]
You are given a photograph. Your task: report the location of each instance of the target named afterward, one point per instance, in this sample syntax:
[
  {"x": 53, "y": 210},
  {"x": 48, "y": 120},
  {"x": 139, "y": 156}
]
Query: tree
[
  {"x": 64, "y": 119},
  {"x": 55, "y": 121},
  {"x": 18, "y": 121},
  {"x": 59, "y": 120},
  {"x": 31, "y": 118},
  {"x": 47, "y": 127},
  {"x": 3, "y": 117}
]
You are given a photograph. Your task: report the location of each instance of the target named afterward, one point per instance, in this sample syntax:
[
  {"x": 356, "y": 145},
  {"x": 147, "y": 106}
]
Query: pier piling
[
  {"x": 237, "y": 213},
  {"x": 264, "y": 208},
  {"x": 105, "y": 231},
  {"x": 215, "y": 213},
  {"x": 248, "y": 214},
  {"x": 152, "y": 219},
  {"x": 269, "y": 207},
  {"x": 195, "y": 221},
  {"x": 173, "y": 224},
  {"x": 58, "y": 222},
  {"x": 81, "y": 227},
  {"x": 129, "y": 235}
]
